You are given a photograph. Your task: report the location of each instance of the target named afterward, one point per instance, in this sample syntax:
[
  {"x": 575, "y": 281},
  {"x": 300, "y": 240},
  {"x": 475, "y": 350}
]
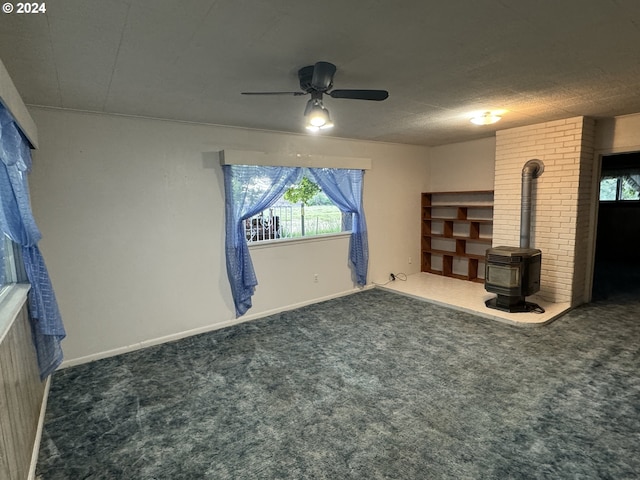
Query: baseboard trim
[
  {"x": 36, "y": 443},
  {"x": 209, "y": 328}
]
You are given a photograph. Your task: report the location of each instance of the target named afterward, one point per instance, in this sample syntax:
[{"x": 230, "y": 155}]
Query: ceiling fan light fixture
[
  {"x": 326, "y": 126},
  {"x": 486, "y": 118},
  {"x": 318, "y": 117}
]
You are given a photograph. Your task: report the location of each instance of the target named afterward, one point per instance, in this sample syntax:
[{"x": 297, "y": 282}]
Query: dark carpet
[{"x": 370, "y": 386}]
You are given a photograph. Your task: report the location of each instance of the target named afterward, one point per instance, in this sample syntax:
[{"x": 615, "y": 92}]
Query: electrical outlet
[
  {"x": 315, "y": 278},
  {"x": 410, "y": 260}
]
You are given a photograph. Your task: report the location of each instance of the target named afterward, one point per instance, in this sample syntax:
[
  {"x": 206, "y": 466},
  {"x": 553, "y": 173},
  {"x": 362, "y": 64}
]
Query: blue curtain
[
  {"x": 344, "y": 188},
  {"x": 249, "y": 189},
  {"x": 17, "y": 222}
]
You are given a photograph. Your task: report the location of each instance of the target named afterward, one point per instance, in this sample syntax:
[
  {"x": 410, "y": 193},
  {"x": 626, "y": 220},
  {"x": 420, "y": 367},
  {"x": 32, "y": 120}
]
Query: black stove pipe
[{"x": 532, "y": 169}]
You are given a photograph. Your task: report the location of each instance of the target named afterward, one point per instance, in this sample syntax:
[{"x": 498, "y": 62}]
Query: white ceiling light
[
  {"x": 317, "y": 116},
  {"x": 486, "y": 118}
]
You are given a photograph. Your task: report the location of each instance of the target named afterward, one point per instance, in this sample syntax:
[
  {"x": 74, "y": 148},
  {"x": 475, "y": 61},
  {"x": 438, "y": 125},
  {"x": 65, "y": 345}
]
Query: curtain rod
[{"x": 249, "y": 157}]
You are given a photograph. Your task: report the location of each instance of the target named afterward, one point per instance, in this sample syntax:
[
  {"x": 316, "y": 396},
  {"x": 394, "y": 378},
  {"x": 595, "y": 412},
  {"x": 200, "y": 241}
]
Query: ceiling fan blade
[
  {"x": 323, "y": 76},
  {"x": 376, "y": 95},
  {"x": 295, "y": 94}
]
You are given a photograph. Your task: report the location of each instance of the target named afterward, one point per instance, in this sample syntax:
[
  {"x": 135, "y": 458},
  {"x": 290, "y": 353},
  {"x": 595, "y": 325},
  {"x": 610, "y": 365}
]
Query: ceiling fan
[{"x": 317, "y": 80}]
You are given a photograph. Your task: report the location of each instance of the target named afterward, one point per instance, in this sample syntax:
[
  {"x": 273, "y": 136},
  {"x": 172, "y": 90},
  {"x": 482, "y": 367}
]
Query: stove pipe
[{"x": 532, "y": 169}]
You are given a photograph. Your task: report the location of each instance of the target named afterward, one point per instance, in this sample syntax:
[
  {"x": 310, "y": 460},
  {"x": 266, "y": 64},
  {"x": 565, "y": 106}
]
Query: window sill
[
  {"x": 282, "y": 242},
  {"x": 13, "y": 298}
]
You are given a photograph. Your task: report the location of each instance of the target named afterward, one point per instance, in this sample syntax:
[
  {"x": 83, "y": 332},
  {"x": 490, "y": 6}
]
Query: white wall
[
  {"x": 618, "y": 135},
  {"x": 132, "y": 218},
  {"x": 463, "y": 166}
]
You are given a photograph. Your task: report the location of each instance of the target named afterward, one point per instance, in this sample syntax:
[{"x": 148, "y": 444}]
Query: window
[
  {"x": 18, "y": 222},
  {"x": 304, "y": 210},
  {"x": 9, "y": 273},
  {"x": 620, "y": 186},
  {"x": 250, "y": 190}
]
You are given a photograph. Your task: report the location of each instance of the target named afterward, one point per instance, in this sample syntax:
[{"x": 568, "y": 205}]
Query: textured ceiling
[{"x": 189, "y": 60}]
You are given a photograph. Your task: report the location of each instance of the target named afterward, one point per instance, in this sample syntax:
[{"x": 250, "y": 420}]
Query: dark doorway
[{"x": 617, "y": 259}]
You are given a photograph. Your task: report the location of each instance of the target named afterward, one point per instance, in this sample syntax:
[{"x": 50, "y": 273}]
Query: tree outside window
[
  {"x": 304, "y": 210},
  {"x": 302, "y": 193},
  {"x": 620, "y": 187}
]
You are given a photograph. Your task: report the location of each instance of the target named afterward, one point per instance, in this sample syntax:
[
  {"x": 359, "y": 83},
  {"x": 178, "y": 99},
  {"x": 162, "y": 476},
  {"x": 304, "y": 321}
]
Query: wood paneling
[{"x": 21, "y": 395}]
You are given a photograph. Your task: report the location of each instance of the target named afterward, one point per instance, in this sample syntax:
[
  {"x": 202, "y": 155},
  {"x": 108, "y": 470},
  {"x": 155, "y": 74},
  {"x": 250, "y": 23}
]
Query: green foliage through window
[
  {"x": 302, "y": 192},
  {"x": 620, "y": 187}
]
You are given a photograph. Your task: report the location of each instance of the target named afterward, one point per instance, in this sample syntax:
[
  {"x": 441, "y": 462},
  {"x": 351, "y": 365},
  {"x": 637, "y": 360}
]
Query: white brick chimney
[{"x": 562, "y": 200}]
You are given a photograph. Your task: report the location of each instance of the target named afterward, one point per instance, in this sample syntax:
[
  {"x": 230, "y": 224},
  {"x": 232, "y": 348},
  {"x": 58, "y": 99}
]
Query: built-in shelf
[{"x": 457, "y": 228}]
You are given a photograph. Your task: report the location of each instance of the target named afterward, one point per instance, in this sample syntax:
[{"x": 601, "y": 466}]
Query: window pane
[
  {"x": 285, "y": 220},
  {"x": 320, "y": 219},
  {"x": 630, "y": 188},
  {"x": 8, "y": 267},
  {"x": 608, "y": 187}
]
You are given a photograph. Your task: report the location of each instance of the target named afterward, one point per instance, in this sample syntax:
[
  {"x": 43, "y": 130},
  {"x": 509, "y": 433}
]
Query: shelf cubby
[{"x": 456, "y": 230}]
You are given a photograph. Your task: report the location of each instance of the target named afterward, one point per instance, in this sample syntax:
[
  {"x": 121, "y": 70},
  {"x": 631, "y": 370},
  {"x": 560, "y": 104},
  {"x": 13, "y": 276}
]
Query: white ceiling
[{"x": 189, "y": 60}]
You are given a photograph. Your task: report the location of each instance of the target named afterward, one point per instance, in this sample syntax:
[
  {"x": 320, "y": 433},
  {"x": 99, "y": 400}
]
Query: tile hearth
[{"x": 470, "y": 297}]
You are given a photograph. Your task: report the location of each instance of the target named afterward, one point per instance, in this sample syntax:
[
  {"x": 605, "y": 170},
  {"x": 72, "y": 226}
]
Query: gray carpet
[{"x": 370, "y": 386}]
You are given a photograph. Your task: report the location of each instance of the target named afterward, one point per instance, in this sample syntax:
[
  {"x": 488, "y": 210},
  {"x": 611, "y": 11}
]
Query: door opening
[{"x": 617, "y": 257}]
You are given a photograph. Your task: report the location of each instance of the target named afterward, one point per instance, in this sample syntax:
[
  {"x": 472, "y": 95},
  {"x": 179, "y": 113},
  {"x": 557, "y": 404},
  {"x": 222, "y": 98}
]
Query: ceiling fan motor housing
[
  {"x": 305, "y": 74},
  {"x": 324, "y": 77},
  {"x": 317, "y": 80}
]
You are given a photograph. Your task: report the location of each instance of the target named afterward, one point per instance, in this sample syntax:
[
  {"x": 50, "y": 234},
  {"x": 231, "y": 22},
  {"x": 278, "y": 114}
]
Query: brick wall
[{"x": 562, "y": 200}]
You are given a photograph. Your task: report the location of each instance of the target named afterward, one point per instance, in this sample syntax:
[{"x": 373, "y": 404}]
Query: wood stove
[{"x": 512, "y": 273}]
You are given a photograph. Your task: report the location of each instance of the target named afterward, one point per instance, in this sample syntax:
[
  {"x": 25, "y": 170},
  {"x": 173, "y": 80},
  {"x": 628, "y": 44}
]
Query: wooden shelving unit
[{"x": 457, "y": 228}]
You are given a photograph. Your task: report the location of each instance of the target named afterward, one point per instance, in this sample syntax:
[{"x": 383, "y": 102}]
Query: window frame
[
  {"x": 277, "y": 242},
  {"x": 308, "y": 160}
]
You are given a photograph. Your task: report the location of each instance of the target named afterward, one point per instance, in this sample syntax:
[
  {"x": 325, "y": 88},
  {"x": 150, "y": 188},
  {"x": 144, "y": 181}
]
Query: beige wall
[
  {"x": 561, "y": 197},
  {"x": 463, "y": 166},
  {"x": 132, "y": 218},
  {"x": 618, "y": 134}
]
